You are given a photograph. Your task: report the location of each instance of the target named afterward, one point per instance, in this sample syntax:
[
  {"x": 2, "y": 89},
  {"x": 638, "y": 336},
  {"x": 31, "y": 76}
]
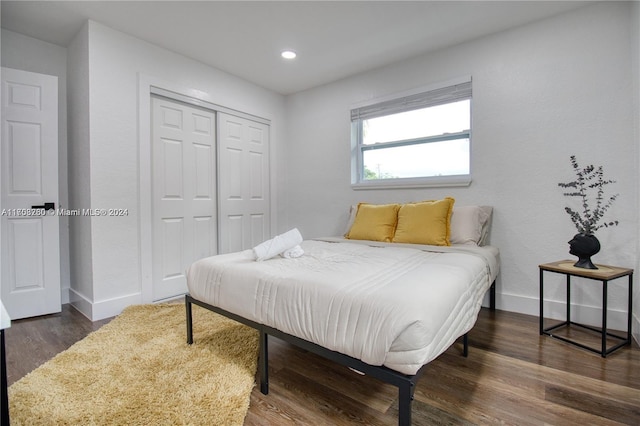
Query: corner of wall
[
  {"x": 64, "y": 295},
  {"x": 78, "y": 126},
  {"x": 96, "y": 311}
]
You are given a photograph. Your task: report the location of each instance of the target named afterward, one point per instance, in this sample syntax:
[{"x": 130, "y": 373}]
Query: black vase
[{"x": 584, "y": 246}]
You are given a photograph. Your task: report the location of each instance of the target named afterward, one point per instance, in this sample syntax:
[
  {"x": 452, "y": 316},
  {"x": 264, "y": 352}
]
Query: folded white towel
[
  {"x": 292, "y": 253},
  {"x": 277, "y": 245}
]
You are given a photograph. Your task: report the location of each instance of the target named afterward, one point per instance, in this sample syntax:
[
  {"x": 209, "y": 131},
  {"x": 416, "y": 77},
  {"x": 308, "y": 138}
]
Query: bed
[{"x": 383, "y": 308}]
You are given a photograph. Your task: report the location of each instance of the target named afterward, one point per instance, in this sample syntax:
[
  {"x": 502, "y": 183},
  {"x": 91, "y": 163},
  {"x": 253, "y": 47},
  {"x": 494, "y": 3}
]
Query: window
[{"x": 420, "y": 139}]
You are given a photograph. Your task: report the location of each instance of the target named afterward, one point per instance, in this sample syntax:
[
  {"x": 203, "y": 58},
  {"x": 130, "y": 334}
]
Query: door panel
[
  {"x": 184, "y": 192},
  {"x": 203, "y": 177},
  {"x": 244, "y": 183},
  {"x": 30, "y": 239},
  {"x": 203, "y": 246},
  {"x": 26, "y": 267},
  {"x": 24, "y": 141}
]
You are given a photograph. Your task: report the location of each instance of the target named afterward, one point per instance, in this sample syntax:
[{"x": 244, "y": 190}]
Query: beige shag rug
[{"x": 138, "y": 370}]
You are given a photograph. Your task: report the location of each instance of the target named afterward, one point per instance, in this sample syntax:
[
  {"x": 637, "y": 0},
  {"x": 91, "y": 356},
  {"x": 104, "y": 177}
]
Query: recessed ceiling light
[{"x": 289, "y": 54}]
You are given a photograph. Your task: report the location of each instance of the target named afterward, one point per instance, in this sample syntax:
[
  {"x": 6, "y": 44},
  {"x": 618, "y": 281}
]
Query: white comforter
[{"x": 395, "y": 305}]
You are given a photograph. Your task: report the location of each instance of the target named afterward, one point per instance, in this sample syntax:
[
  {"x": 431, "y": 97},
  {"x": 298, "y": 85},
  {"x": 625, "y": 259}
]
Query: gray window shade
[{"x": 440, "y": 96}]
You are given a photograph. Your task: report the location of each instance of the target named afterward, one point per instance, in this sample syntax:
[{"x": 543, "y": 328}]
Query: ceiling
[{"x": 333, "y": 39}]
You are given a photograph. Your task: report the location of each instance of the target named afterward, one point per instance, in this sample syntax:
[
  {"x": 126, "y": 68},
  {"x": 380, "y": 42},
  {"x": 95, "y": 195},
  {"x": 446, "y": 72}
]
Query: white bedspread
[{"x": 387, "y": 304}]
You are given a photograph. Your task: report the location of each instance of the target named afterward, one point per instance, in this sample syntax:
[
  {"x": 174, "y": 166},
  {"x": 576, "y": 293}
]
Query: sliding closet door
[
  {"x": 183, "y": 191},
  {"x": 243, "y": 182}
]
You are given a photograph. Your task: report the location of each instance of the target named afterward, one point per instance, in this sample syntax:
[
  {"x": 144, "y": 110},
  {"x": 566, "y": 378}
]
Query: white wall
[
  {"x": 115, "y": 62},
  {"x": 541, "y": 93},
  {"x": 30, "y": 54}
]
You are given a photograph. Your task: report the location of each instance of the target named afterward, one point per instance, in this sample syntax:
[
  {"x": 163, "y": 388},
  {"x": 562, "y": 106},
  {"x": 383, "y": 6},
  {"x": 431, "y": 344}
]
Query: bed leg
[
  {"x": 492, "y": 297},
  {"x": 405, "y": 397},
  {"x": 465, "y": 345},
  {"x": 264, "y": 363},
  {"x": 187, "y": 304}
]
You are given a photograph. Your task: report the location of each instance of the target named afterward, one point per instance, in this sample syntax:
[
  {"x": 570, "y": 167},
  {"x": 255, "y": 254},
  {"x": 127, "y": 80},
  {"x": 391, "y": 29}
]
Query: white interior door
[
  {"x": 184, "y": 192},
  {"x": 30, "y": 240},
  {"x": 244, "y": 183}
]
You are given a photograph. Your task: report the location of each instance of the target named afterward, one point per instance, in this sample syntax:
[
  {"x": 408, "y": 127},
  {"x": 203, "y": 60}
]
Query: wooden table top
[{"x": 604, "y": 272}]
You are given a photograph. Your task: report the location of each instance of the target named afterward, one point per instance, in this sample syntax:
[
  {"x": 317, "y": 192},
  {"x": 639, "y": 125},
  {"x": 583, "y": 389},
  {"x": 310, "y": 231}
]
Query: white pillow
[
  {"x": 470, "y": 224},
  {"x": 352, "y": 218},
  {"x": 485, "y": 218}
]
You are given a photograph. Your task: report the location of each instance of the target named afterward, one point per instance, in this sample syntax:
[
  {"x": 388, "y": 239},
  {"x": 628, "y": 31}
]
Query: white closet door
[
  {"x": 30, "y": 243},
  {"x": 184, "y": 192},
  {"x": 243, "y": 183}
]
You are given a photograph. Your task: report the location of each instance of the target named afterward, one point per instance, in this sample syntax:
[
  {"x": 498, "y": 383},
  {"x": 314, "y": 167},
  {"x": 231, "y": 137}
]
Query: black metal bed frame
[{"x": 405, "y": 383}]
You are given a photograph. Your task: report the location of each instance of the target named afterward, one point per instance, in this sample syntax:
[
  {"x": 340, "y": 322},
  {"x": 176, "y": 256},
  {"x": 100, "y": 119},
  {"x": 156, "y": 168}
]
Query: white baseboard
[
  {"x": 81, "y": 303},
  {"x": 554, "y": 309},
  {"x": 96, "y": 311}
]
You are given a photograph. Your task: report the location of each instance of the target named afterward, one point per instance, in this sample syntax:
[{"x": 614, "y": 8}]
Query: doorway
[{"x": 30, "y": 264}]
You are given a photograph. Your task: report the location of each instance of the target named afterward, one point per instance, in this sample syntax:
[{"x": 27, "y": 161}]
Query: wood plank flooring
[{"x": 513, "y": 376}]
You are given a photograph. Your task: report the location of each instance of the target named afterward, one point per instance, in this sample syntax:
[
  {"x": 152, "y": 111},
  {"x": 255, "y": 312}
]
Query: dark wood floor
[
  {"x": 32, "y": 341},
  {"x": 512, "y": 376}
]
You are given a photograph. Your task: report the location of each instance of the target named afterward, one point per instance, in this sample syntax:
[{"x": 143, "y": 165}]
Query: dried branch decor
[{"x": 589, "y": 181}]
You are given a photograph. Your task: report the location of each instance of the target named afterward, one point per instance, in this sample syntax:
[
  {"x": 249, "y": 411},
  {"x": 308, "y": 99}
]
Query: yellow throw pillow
[
  {"x": 426, "y": 222},
  {"x": 374, "y": 222}
]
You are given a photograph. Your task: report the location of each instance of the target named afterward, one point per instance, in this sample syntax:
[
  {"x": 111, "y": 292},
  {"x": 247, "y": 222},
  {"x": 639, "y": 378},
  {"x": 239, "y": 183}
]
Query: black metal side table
[{"x": 604, "y": 273}]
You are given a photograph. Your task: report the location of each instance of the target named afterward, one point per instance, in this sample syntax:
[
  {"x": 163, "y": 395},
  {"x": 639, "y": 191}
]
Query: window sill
[{"x": 432, "y": 182}]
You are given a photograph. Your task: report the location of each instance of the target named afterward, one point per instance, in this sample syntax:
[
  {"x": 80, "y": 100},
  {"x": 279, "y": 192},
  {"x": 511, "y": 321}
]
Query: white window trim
[
  {"x": 424, "y": 182},
  {"x": 401, "y": 183}
]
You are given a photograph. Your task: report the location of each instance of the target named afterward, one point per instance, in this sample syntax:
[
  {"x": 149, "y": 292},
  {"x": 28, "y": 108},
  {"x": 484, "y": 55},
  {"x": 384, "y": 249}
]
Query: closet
[{"x": 210, "y": 186}]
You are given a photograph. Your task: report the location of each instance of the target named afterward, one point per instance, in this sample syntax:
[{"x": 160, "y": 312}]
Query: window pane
[
  {"x": 446, "y": 158},
  {"x": 448, "y": 118}
]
